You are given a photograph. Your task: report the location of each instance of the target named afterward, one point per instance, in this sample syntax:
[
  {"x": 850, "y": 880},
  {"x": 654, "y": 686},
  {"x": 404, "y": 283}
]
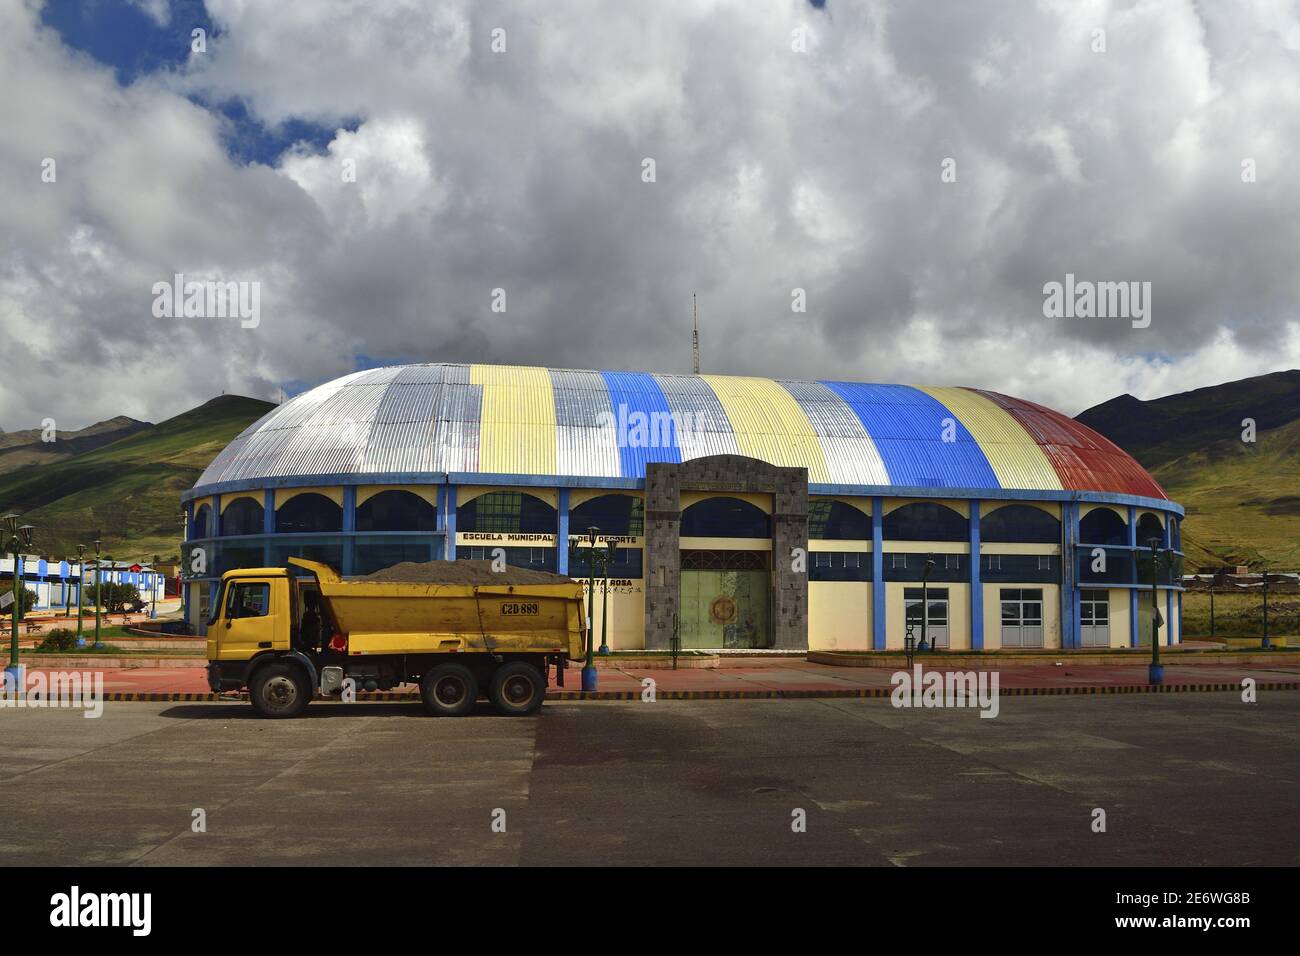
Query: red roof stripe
[{"x": 1084, "y": 459}]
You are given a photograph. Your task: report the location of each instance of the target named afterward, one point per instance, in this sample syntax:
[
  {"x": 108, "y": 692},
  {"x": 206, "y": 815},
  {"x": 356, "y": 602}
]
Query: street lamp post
[
  {"x": 99, "y": 643},
  {"x": 1155, "y": 670},
  {"x": 1265, "y": 643},
  {"x": 81, "y": 590},
  {"x": 20, "y": 536},
  {"x": 925, "y": 602},
  {"x": 589, "y": 671},
  {"x": 604, "y": 600},
  {"x": 1214, "y": 582}
]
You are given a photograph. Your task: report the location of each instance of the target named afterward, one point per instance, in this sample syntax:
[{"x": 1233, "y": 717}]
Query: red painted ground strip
[{"x": 777, "y": 679}]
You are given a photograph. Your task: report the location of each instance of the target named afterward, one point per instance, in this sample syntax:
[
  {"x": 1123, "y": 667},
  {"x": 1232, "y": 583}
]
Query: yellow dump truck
[{"x": 454, "y": 628}]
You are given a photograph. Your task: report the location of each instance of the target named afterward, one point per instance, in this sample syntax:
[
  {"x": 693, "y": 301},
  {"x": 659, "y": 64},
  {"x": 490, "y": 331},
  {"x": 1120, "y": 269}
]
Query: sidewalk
[{"x": 788, "y": 677}]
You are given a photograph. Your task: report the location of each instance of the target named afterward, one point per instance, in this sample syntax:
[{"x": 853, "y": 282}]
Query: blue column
[
  {"x": 268, "y": 523},
  {"x": 976, "y": 588},
  {"x": 1069, "y": 572},
  {"x": 877, "y": 573},
  {"x": 1180, "y": 617},
  {"x": 450, "y": 546},
  {"x": 562, "y": 534},
  {"x": 1169, "y": 595},
  {"x": 349, "y": 525},
  {"x": 349, "y": 509},
  {"x": 1133, "y": 589},
  {"x": 214, "y": 517}
]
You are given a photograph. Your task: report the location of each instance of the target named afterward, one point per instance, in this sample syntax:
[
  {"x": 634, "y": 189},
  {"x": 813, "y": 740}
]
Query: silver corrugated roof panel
[
  {"x": 582, "y": 447},
  {"x": 692, "y": 402}
]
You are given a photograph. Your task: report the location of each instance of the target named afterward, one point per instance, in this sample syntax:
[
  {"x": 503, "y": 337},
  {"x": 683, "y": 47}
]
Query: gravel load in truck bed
[{"x": 460, "y": 572}]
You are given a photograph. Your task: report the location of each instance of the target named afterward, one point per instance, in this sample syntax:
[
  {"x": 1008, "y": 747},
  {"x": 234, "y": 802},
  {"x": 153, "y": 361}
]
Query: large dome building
[{"x": 747, "y": 513}]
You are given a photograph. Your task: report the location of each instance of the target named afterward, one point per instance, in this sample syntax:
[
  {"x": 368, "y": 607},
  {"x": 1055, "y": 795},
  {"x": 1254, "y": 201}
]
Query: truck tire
[
  {"x": 518, "y": 689},
  {"x": 449, "y": 690},
  {"x": 279, "y": 690}
]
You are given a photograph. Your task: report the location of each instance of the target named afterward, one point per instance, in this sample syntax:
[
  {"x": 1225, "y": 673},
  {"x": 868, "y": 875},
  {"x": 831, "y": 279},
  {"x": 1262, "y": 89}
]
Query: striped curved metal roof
[{"x": 520, "y": 421}]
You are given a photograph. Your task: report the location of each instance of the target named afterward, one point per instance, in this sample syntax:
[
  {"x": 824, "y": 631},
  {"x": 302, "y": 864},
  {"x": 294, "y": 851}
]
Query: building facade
[
  {"x": 737, "y": 513},
  {"x": 56, "y": 583}
]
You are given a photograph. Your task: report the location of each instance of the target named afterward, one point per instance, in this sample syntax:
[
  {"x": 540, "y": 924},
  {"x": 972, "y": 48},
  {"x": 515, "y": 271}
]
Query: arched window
[
  {"x": 199, "y": 526},
  {"x": 725, "y": 518},
  {"x": 1020, "y": 524},
  {"x": 308, "y": 512},
  {"x": 613, "y": 514},
  {"x": 1149, "y": 527},
  {"x": 396, "y": 510},
  {"x": 506, "y": 512},
  {"x": 925, "y": 521},
  {"x": 831, "y": 520},
  {"x": 242, "y": 516},
  {"x": 1102, "y": 526}
]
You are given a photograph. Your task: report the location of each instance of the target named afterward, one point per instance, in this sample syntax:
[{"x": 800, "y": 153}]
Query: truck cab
[{"x": 288, "y": 634}]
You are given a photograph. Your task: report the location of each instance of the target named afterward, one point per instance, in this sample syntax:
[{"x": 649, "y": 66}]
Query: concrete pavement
[{"x": 1187, "y": 779}]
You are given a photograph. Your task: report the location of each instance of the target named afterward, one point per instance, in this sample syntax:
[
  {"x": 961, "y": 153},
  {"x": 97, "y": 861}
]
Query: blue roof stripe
[
  {"x": 636, "y": 394},
  {"x": 907, "y": 427}
]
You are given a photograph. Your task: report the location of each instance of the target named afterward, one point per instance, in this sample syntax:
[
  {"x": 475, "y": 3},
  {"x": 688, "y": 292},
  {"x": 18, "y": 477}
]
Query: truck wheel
[
  {"x": 279, "y": 690},
  {"x": 518, "y": 689},
  {"x": 449, "y": 690}
]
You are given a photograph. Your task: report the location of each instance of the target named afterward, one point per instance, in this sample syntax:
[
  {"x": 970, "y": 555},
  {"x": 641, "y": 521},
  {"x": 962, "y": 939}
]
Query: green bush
[
  {"x": 115, "y": 597},
  {"x": 59, "y": 639}
]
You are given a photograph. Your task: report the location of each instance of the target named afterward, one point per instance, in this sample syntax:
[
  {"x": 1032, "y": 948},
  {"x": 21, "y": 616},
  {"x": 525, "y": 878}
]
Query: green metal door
[{"x": 725, "y": 609}]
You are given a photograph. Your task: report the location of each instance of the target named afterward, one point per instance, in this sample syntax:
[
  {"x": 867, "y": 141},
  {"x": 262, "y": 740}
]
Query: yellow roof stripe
[
  {"x": 769, "y": 424},
  {"x": 1013, "y": 454},
  {"x": 517, "y": 424}
]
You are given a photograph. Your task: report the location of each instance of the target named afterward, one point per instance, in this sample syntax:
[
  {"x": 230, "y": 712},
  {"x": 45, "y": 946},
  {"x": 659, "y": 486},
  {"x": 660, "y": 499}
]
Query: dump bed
[{"x": 406, "y": 617}]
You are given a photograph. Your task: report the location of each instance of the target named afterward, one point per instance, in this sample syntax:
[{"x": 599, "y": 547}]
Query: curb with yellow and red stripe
[{"x": 852, "y": 693}]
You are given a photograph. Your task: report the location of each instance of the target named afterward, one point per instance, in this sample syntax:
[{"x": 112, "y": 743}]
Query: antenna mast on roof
[{"x": 695, "y": 335}]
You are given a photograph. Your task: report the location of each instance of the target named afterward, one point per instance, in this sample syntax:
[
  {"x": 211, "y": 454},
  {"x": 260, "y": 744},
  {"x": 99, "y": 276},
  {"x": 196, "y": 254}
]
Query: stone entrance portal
[{"x": 725, "y": 606}]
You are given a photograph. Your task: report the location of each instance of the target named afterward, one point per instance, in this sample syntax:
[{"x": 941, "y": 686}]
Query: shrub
[{"x": 59, "y": 639}]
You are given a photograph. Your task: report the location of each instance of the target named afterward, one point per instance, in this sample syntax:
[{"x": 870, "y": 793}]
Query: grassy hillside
[
  {"x": 1242, "y": 499},
  {"x": 25, "y": 448},
  {"x": 129, "y": 490}
]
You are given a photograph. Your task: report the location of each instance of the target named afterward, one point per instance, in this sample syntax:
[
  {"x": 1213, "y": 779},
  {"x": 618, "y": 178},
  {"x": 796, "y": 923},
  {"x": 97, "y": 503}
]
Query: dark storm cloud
[{"x": 775, "y": 170}]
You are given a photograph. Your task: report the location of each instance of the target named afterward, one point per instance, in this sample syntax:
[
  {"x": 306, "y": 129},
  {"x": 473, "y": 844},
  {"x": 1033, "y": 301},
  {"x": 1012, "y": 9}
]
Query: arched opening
[
  {"x": 831, "y": 520},
  {"x": 396, "y": 510},
  {"x": 1020, "y": 524},
  {"x": 199, "y": 526},
  {"x": 925, "y": 521},
  {"x": 1103, "y": 526},
  {"x": 1149, "y": 527},
  {"x": 308, "y": 512},
  {"x": 242, "y": 516},
  {"x": 615, "y": 515},
  {"x": 725, "y": 518},
  {"x": 506, "y": 512}
]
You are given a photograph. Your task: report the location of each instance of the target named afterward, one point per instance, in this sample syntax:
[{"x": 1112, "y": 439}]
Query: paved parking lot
[{"x": 1183, "y": 779}]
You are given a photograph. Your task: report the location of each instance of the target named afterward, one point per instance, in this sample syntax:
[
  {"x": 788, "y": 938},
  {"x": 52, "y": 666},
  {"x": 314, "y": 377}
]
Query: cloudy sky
[{"x": 795, "y": 145}]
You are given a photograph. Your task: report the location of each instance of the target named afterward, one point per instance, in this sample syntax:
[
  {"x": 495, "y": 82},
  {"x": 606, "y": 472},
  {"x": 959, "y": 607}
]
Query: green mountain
[
  {"x": 1161, "y": 430},
  {"x": 1242, "y": 498},
  {"x": 28, "y": 447},
  {"x": 128, "y": 491}
]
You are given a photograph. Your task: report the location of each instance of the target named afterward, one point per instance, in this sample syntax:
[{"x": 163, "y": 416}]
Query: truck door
[{"x": 248, "y": 624}]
